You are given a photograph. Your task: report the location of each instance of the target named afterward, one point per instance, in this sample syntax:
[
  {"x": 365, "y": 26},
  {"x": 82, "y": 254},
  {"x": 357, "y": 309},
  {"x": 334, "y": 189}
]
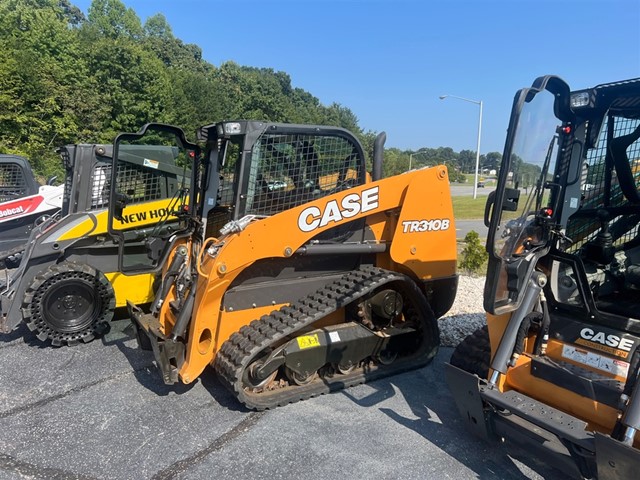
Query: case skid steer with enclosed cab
[
  {"x": 556, "y": 368},
  {"x": 297, "y": 272},
  {"x": 24, "y": 203},
  {"x": 68, "y": 284}
]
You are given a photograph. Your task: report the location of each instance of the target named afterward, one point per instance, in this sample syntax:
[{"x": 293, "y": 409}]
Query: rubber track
[
  {"x": 237, "y": 353},
  {"x": 473, "y": 354}
]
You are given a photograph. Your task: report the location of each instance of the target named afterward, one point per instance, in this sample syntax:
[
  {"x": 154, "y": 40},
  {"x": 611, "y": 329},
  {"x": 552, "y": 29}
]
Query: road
[
  {"x": 467, "y": 190},
  {"x": 100, "y": 411},
  {"x": 465, "y": 226}
]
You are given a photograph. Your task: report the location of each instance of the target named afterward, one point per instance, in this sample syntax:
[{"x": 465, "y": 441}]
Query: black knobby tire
[
  {"x": 69, "y": 303},
  {"x": 473, "y": 354}
]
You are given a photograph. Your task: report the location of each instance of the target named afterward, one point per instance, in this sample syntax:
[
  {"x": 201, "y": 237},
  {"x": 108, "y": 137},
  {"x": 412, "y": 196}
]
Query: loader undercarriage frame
[{"x": 269, "y": 363}]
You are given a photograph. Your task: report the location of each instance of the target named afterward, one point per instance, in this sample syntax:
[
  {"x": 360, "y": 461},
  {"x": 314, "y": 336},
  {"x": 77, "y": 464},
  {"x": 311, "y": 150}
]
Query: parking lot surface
[{"x": 101, "y": 411}]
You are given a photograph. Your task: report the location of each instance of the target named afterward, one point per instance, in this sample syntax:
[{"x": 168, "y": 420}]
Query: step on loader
[
  {"x": 68, "y": 284},
  {"x": 24, "y": 203},
  {"x": 295, "y": 271},
  {"x": 556, "y": 368}
]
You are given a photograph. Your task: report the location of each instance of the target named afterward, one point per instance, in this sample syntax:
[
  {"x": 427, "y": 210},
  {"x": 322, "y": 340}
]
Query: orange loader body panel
[{"x": 397, "y": 212}]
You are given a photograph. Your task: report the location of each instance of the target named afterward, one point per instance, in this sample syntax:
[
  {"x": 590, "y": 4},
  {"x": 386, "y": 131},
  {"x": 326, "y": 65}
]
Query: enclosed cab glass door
[
  {"x": 526, "y": 188},
  {"x": 149, "y": 193}
]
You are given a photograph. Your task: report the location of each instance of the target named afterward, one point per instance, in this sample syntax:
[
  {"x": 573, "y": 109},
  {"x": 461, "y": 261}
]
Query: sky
[{"x": 389, "y": 61}]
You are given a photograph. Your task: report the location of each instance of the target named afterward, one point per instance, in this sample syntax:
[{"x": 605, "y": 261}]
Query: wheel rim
[
  {"x": 299, "y": 379},
  {"x": 345, "y": 369},
  {"x": 252, "y": 382},
  {"x": 70, "y": 306},
  {"x": 386, "y": 357}
]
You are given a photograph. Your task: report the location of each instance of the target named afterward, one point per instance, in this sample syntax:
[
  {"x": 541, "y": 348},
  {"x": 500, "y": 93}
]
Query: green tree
[
  {"x": 492, "y": 160},
  {"x": 112, "y": 19},
  {"x": 41, "y": 75},
  {"x": 467, "y": 161}
]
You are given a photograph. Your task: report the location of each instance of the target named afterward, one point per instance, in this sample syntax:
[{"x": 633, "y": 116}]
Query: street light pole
[
  {"x": 477, "y": 102},
  {"x": 411, "y": 156}
]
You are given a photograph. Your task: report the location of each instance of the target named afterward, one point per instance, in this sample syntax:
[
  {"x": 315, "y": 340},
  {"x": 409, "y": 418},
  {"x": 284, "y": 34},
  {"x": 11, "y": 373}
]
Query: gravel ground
[{"x": 466, "y": 314}]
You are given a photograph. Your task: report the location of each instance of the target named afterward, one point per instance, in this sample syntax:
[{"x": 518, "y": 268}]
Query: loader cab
[
  {"x": 570, "y": 202},
  {"x": 149, "y": 167},
  {"x": 258, "y": 169},
  {"x": 560, "y": 358},
  {"x": 16, "y": 178}
]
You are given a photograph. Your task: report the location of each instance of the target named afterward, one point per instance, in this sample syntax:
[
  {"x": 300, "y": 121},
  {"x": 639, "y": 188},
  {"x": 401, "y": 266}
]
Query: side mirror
[
  {"x": 509, "y": 203},
  {"x": 119, "y": 203},
  {"x": 510, "y": 199}
]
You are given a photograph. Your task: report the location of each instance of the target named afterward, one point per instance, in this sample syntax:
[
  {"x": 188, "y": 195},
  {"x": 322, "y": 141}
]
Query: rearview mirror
[{"x": 509, "y": 203}]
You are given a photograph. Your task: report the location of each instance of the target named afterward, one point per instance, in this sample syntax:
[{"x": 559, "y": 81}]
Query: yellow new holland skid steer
[
  {"x": 294, "y": 271},
  {"x": 556, "y": 369},
  {"x": 68, "y": 283}
]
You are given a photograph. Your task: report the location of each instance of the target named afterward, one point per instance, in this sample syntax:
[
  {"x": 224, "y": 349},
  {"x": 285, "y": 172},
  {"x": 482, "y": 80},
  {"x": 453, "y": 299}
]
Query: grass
[{"x": 468, "y": 208}]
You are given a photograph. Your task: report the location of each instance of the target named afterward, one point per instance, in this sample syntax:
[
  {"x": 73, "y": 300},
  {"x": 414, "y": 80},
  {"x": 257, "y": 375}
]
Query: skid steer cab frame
[
  {"x": 69, "y": 280},
  {"x": 556, "y": 369},
  {"x": 341, "y": 272},
  {"x": 24, "y": 203}
]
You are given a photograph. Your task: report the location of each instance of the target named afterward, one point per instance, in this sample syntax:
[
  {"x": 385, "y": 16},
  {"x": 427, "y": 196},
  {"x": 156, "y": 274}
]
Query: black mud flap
[
  {"x": 616, "y": 461},
  {"x": 168, "y": 354},
  {"x": 5, "y": 325},
  {"x": 8, "y": 280},
  {"x": 466, "y": 393}
]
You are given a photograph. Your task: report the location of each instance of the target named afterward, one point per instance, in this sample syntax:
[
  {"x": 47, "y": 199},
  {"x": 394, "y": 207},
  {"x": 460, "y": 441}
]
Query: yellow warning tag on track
[{"x": 308, "y": 341}]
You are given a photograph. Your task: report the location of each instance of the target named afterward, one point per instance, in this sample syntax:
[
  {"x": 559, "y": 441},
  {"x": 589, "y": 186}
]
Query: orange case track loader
[{"x": 296, "y": 272}]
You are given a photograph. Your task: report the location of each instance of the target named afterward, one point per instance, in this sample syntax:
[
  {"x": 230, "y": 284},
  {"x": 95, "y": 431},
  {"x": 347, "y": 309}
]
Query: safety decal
[
  {"x": 151, "y": 163},
  {"x": 594, "y": 360},
  {"x": 334, "y": 336},
  {"x": 308, "y": 341}
]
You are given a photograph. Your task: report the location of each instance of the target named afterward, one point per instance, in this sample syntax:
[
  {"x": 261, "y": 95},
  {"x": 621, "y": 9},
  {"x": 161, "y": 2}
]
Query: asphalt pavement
[
  {"x": 465, "y": 226},
  {"x": 101, "y": 411}
]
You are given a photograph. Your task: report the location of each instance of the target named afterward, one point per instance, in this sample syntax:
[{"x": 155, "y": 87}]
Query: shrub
[{"x": 474, "y": 255}]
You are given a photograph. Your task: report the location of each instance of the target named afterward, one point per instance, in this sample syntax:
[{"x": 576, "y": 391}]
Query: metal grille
[
  {"x": 13, "y": 185},
  {"x": 289, "y": 170},
  {"x": 100, "y": 184},
  {"x": 67, "y": 163},
  {"x": 138, "y": 183},
  {"x": 601, "y": 189},
  {"x": 228, "y": 177}
]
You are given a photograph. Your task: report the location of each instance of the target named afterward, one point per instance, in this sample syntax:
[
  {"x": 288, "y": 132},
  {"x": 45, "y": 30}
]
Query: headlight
[
  {"x": 232, "y": 128},
  {"x": 580, "y": 99}
]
